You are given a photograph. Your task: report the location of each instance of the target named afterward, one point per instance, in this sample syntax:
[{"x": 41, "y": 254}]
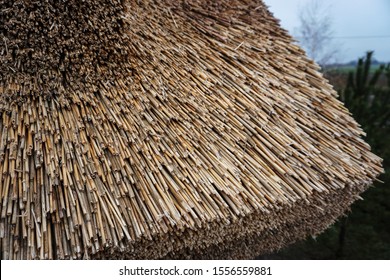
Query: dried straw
[{"x": 166, "y": 129}]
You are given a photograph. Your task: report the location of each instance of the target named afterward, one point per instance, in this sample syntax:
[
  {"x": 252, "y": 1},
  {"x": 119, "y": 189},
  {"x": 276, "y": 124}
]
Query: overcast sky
[{"x": 358, "y": 25}]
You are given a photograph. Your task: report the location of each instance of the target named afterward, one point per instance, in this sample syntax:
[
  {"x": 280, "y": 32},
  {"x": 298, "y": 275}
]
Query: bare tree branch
[{"x": 315, "y": 32}]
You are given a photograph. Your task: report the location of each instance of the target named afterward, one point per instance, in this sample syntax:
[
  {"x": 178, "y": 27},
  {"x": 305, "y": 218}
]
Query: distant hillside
[
  {"x": 375, "y": 63},
  {"x": 350, "y": 66}
]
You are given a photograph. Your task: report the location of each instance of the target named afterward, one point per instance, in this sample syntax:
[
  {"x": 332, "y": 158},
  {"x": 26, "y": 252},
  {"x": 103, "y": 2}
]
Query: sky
[{"x": 358, "y": 25}]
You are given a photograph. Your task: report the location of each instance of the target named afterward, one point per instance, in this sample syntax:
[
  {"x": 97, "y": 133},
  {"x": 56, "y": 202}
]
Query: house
[{"x": 166, "y": 129}]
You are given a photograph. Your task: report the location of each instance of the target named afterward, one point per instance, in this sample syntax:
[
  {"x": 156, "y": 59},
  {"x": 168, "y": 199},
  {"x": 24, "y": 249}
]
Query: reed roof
[{"x": 166, "y": 129}]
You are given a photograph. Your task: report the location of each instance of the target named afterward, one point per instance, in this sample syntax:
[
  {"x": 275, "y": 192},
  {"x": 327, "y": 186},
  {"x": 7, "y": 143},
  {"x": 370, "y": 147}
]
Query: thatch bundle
[{"x": 166, "y": 129}]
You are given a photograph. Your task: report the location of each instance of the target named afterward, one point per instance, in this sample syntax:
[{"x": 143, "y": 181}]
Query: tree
[
  {"x": 315, "y": 33},
  {"x": 367, "y": 96}
]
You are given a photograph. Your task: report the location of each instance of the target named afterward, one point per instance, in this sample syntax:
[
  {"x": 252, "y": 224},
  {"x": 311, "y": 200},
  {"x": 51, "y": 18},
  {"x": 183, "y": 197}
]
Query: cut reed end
[{"x": 204, "y": 133}]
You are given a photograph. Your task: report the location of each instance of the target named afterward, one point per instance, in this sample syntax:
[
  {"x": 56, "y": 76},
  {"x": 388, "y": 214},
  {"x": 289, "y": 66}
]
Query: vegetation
[
  {"x": 365, "y": 233},
  {"x": 315, "y": 32}
]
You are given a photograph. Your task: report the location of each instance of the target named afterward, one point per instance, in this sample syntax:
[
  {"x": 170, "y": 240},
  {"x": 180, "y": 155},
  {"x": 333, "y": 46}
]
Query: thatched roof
[{"x": 166, "y": 129}]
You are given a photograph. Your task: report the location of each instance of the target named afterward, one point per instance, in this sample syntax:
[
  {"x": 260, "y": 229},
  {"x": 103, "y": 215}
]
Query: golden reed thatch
[{"x": 166, "y": 129}]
